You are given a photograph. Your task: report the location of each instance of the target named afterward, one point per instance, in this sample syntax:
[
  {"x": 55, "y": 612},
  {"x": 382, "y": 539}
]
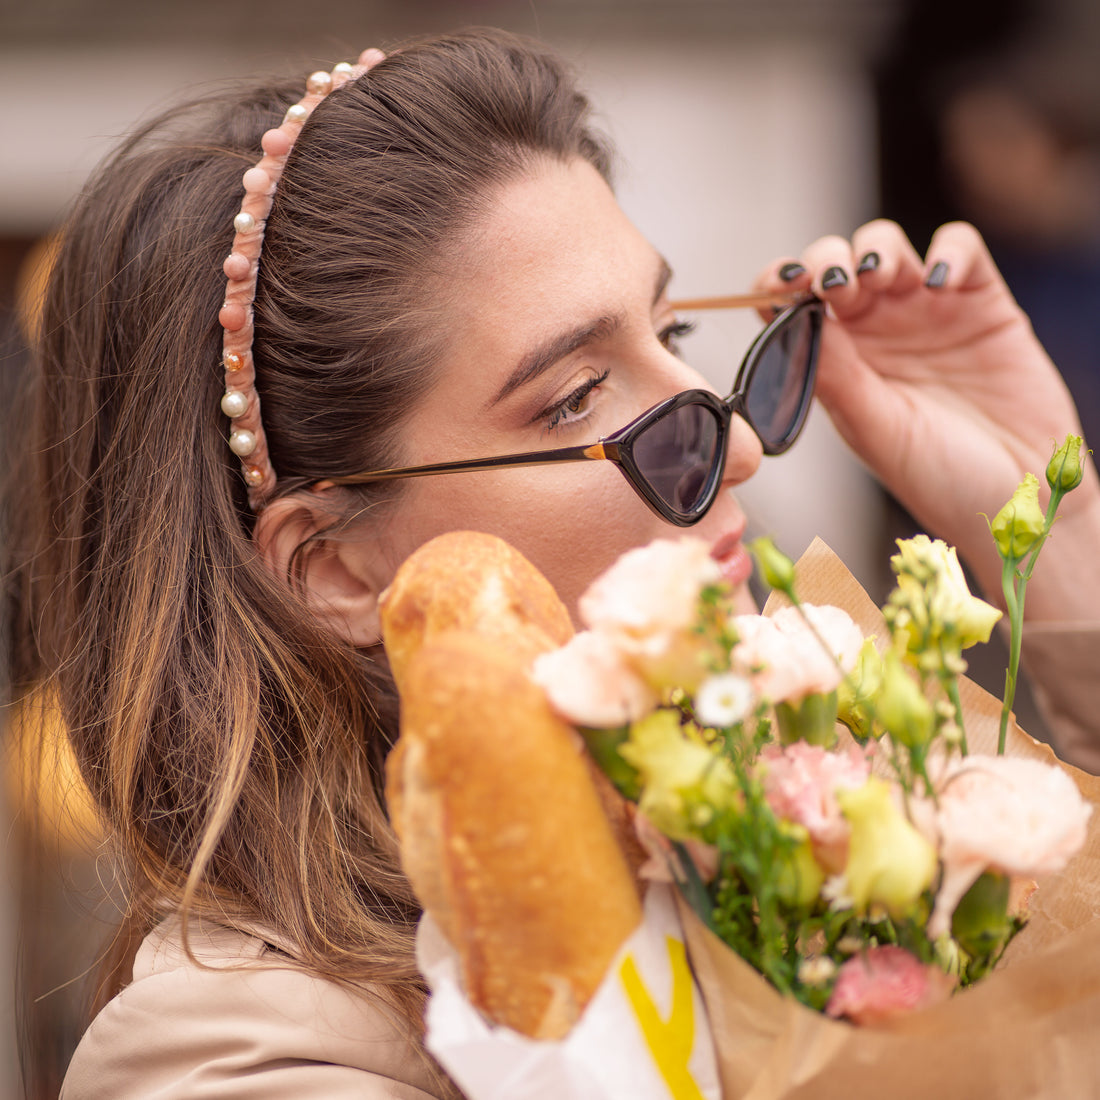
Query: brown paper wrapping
[{"x": 1030, "y": 1030}]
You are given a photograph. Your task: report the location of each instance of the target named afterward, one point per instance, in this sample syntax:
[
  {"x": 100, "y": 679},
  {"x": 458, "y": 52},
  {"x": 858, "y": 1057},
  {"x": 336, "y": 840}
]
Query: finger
[
  {"x": 959, "y": 259},
  {"x": 885, "y": 257},
  {"x": 785, "y": 274},
  {"x": 782, "y": 276},
  {"x": 832, "y": 266}
]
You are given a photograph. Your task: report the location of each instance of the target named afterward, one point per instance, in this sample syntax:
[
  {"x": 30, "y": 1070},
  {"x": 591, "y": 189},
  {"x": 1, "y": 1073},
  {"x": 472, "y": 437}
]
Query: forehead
[{"x": 552, "y": 247}]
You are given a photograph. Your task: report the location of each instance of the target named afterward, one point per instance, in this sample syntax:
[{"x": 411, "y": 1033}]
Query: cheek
[{"x": 571, "y": 521}]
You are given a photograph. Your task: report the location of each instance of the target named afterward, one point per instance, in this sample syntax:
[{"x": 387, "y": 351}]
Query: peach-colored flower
[
  {"x": 648, "y": 603},
  {"x": 589, "y": 683},
  {"x": 787, "y": 660},
  {"x": 800, "y": 784},
  {"x": 1019, "y": 817},
  {"x": 883, "y": 982}
]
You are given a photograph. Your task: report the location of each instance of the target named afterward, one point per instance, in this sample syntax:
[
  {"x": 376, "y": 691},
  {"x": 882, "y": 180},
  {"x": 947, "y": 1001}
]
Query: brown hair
[{"x": 234, "y": 745}]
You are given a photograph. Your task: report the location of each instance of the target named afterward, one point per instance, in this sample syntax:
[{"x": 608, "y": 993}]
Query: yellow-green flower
[
  {"x": 1020, "y": 523},
  {"x": 857, "y": 691},
  {"x": 1065, "y": 469},
  {"x": 679, "y": 772},
  {"x": 932, "y": 605},
  {"x": 798, "y": 877},
  {"x": 889, "y": 862},
  {"x": 901, "y": 707}
]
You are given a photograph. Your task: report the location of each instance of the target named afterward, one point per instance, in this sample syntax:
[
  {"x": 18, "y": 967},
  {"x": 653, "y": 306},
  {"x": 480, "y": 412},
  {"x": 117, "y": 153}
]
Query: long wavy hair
[{"x": 233, "y": 744}]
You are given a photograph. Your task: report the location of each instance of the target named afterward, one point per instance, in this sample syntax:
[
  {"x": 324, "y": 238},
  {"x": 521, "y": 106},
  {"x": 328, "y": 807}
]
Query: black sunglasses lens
[
  {"x": 678, "y": 455},
  {"x": 781, "y": 381}
]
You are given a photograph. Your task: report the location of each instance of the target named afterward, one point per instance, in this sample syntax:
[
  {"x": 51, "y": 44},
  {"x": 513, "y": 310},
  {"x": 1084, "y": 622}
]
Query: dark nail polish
[
  {"x": 834, "y": 276},
  {"x": 869, "y": 262},
  {"x": 937, "y": 276},
  {"x": 791, "y": 271}
]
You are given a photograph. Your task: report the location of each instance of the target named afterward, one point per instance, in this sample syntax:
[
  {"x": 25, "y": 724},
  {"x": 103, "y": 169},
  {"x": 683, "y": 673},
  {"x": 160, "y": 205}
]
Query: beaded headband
[{"x": 241, "y": 402}]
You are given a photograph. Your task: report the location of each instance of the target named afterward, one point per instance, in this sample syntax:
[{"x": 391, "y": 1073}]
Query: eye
[
  {"x": 674, "y": 333},
  {"x": 572, "y": 405}
]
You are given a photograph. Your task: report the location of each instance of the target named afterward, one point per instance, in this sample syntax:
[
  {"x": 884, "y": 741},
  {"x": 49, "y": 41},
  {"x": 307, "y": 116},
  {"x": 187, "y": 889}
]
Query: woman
[{"x": 445, "y": 276}]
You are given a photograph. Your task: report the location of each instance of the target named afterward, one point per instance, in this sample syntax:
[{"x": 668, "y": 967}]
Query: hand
[{"x": 932, "y": 374}]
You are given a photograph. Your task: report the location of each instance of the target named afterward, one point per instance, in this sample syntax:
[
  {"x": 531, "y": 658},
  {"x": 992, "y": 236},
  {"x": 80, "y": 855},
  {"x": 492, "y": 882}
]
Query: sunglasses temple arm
[
  {"x": 755, "y": 299},
  {"x": 594, "y": 451}
]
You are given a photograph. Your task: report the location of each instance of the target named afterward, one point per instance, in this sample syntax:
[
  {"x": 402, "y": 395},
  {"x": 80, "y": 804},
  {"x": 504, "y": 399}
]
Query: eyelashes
[
  {"x": 674, "y": 333},
  {"x": 574, "y": 403}
]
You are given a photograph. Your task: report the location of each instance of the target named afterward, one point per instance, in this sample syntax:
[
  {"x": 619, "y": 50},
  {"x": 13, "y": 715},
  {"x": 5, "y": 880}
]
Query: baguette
[
  {"x": 503, "y": 835},
  {"x": 475, "y": 583}
]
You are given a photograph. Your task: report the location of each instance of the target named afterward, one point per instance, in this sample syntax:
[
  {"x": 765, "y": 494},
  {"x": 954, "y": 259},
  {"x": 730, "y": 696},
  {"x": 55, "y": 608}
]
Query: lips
[{"x": 733, "y": 559}]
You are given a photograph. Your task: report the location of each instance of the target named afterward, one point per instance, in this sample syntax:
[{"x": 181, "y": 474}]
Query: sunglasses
[{"x": 674, "y": 454}]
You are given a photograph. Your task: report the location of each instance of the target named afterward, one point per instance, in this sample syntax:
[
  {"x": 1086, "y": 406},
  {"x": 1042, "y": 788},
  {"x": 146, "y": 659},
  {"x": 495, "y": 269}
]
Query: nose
[
  {"x": 743, "y": 448},
  {"x": 743, "y": 453}
]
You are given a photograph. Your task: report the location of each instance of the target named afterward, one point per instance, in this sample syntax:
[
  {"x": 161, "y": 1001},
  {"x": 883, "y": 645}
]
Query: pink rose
[
  {"x": 884, "y": 982},
  {"x": 1019, "y": 817},
  {"x": 589, "y": 683},
  {"x": 787, "y": 660},
  {"x": 800, "y": 784}
]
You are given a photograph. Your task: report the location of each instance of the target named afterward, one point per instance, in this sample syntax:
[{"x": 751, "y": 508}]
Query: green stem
[
  {"x": 1014, "y": 586},
  {"x": 1014, "y": 602},
  {"x": 951, "y": 685}
]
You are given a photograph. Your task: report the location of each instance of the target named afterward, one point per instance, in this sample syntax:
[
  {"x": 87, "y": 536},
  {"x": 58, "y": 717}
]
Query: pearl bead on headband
[{"x": 241, "y": 402}]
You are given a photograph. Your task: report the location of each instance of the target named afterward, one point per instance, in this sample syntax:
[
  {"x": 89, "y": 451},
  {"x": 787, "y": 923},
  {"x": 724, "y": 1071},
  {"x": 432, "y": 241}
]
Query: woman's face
[{"x": 560, "y": 333}]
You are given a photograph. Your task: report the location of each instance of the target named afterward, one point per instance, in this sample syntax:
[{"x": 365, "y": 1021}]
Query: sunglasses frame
[{"x": 618, "y": 447}]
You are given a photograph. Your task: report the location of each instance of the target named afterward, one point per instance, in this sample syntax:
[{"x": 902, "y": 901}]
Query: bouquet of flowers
[
  {"x": 845, "y": 828},
  {"x": 818, "y": 794}
]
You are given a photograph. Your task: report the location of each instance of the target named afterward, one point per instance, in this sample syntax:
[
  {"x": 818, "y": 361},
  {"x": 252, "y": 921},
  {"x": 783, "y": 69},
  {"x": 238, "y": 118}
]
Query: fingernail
[
  {"x": 834, "y": 276},
  {"x": 869, "y": 262},
  {"x": 791, "y": 271},
  {"x": 937, "y": 276}
]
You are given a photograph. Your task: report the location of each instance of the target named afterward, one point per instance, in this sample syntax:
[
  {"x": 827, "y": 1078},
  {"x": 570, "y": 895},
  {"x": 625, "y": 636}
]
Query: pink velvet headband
[{"x": 241, "y": 403}]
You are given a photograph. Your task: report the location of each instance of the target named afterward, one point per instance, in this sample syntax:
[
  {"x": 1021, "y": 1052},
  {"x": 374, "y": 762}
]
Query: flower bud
[
  {"x": 901, "y": 705},
  {"x": 980, "y": 922},
  {"x": 1020, "y": 523},
  {"x": 775, "y": 567},
  {"x": 812, "y": 719},
  {"x": 818, "y": 970},
  {"x": 1065, "y": 469},
  {"x": 857, "y": 691},
  {"x": 946, "y": 955},
  {"x": 798, "y": 876}
]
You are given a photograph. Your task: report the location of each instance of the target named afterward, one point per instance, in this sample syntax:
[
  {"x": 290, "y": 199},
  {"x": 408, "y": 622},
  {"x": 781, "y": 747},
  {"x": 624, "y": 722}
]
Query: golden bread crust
[{"x": 504, "y": 836}]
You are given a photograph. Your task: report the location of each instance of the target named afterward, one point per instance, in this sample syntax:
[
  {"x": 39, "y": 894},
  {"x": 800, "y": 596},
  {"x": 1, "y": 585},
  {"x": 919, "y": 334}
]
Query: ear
[{"x": 337, "y": 581}]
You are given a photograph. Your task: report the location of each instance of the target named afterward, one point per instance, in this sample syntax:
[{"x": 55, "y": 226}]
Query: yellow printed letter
[{"x": 670, "y": 1041}]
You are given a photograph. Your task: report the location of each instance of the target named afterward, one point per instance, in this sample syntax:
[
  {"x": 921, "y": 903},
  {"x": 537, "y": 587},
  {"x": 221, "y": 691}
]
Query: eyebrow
[{"x": 546, "y": 354}]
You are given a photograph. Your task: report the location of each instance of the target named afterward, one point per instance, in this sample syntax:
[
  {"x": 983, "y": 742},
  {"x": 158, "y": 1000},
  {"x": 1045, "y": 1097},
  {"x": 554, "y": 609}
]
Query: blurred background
[{"x": 746, "y": 128}]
